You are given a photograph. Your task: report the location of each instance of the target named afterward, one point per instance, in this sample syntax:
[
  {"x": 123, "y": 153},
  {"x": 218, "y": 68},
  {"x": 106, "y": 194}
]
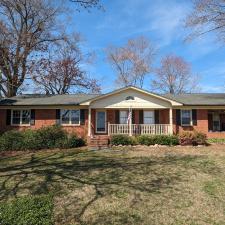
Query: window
[
  {"x": 70, "y": 117},
  {"x": 149, "y": 117},
  {"x": 20, "y": 117},
  {"x": 123, "y": 117},
  {"x": 186, "y": 117}
]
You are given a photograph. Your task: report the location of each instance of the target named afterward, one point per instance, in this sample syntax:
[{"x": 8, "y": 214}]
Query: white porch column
[
  {"x": 130, "y": 122},
  {"x": 171, "y": 121},
  {"x": 89, "y": 122}
]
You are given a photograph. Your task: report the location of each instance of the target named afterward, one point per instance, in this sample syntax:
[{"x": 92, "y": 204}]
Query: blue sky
[{"x": 159, "y": 20}]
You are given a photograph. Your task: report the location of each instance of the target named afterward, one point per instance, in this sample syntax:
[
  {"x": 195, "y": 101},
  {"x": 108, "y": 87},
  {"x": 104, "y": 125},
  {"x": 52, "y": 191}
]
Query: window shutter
[
  {"x": 32, "y": 117},
  {"x": 156, "y": 116},
  {"x": 8, "y": 116},
  {"x": 82, "y": 116},
  {"x": 178, "y": 117},
  {"x": 117, "y": 116},
  {"x": 133, "y": 116},
  {"x": 58, "y": 116},
  {"x": 141, "y": 119},
  {"x": 194, "y": 117}
]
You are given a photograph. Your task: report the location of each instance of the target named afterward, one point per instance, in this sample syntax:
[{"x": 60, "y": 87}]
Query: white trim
[
  {"x": 191, "y": 121},
  {"x": 70, "y": 121},
  {"x": 21, "y": 113},
  {"x": 96, "y": 113}
]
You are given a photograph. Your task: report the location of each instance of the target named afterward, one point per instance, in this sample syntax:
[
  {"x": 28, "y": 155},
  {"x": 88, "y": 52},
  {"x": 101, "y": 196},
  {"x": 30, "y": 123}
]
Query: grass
[{"x": 177, "y": 186}]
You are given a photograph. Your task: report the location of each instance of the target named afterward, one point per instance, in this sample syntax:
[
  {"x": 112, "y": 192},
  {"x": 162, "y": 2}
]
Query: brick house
[{"x": 129, "y": 111}]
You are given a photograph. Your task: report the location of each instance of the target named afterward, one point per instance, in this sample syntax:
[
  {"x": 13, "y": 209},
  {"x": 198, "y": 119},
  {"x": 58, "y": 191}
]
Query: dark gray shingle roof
[
  {"x": 75, "y": 99},
  {"x": 39, "y": 100},
  {"x": 199, "y": 99}
]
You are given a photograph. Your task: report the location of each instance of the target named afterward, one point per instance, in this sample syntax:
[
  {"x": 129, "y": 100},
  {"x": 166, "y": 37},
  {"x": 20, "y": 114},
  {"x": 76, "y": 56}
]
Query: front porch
[{"x": 142, "y": 122}]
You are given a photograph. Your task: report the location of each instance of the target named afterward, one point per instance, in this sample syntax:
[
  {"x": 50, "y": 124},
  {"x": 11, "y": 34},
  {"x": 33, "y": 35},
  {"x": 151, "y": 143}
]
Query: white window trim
[
  {"x": 96, "y": 113},
  {"x": 70, "y": 121},
  {"x": 20, "y": 124},
  {"x": 191, "y": 121}
]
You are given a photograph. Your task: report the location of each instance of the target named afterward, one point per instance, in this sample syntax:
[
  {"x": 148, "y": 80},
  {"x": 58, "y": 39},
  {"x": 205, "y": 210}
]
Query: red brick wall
[
  {"x": 44, "y": 117},
  {"x": 202, "y": 125},
  {"x": 47, "y": 117}
]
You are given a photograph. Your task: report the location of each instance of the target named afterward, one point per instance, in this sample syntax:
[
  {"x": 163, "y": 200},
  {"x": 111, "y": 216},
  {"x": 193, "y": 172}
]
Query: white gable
[{"x": 141, "y": 99}]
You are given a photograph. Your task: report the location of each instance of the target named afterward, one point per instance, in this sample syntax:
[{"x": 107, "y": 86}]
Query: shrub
[
  {"x": 49, "y": 137},
  {"x": 200, "y": 139},
  {"x": 74, "y": 141},
  {"x": 216, "y": 140},
  {"x": 11, "y": 140},
  {"x": 166, "y": 140},
  {"x": 158, "y": 139},
  {"x": 28, "y": 211},
  {"x": 186, "y": 138},
  {"x": 146, "y": 140},
  {"x": 30, "y": 140},
  {"x": 122, "y": 140},
  {"x": 192, "y": 138},
  {"x": 70, "y": 142}
]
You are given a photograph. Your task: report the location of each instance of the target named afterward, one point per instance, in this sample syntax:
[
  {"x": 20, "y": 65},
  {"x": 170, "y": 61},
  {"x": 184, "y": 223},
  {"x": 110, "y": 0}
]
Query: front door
[{"x": 100, "y": 122}]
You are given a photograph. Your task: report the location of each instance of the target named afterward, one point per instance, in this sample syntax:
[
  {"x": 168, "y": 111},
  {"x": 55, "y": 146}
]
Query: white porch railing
[{"x": 138, "y": 129}]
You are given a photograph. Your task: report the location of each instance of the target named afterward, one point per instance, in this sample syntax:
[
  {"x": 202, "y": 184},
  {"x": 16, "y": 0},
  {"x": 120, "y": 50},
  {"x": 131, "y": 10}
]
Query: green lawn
[{"x": 139, "y": 186}]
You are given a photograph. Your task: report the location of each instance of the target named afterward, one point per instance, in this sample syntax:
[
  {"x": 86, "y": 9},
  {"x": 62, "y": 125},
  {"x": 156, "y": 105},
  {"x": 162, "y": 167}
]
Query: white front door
[{"x": 100, "y": 122}]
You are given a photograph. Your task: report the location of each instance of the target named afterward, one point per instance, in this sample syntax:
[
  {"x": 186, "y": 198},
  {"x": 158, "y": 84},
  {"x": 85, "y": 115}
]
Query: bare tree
[
  {"x": 207, "y": 16},
  {"x": 87, "y": 4},
  {"x": 131, "y": 62},
  {"x": 27, "y": 27},
  {"x": 63, "y": 74},
  {"x": 175, "y": 76}
]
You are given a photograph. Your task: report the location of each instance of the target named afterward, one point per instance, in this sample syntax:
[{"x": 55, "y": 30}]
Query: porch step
[{"x": 98, "y": 142}]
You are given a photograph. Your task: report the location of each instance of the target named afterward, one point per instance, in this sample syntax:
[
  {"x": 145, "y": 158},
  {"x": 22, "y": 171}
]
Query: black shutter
[
  {"x": 57, "y": 116},
  {"x": 156, "y": 116},
  {"x": 8, "y": 116},
  {"x": 178, "y": 117},
  {"x": 117, "y": 116},
  {"x": 133, "y": 116},
  {"x": 194, "y": 117},
  {"x": 82, "y": 116},
  {"x": 141, "y": 119},
  {"x": 32, "y": 117}
]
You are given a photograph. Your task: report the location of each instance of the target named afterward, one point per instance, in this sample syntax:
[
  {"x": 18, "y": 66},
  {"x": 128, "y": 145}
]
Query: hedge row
[
  {"x": 27, "y": 211},
  {"x": 145, "y": 140},
  {"x": 43, "y": 138},
  {"x": 185, "y": 138}
]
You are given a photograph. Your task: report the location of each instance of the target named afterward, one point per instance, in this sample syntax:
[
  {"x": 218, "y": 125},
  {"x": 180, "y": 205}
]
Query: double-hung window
[
  {"x": 20, "y": 117},
  {"x": 186, "y": 117},
  {"x": 149, "y": 117},
  {"x": 123, "y": 116},
  {"x": 70, "y": 117}
]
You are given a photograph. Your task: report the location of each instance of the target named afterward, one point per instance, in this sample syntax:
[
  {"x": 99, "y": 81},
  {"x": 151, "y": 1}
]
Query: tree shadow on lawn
[{"x": 106, "y": 174}]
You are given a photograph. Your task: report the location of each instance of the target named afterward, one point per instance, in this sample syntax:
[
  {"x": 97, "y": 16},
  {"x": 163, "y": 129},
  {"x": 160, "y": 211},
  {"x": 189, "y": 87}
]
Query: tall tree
[
  {"x": 27, "y": 27},
  {"x": 207, "y": 16},
  {"x": 131, "y": 62},
  {"x": 174, "y": 76},
  {"x": 61, "y": 72}
]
